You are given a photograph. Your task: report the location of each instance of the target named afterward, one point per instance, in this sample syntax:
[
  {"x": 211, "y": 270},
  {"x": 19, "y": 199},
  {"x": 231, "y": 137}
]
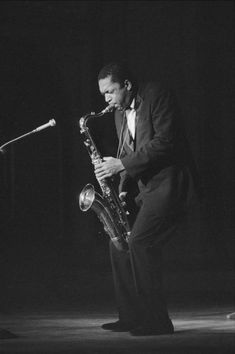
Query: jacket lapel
[{"x": 121, "y": 126}]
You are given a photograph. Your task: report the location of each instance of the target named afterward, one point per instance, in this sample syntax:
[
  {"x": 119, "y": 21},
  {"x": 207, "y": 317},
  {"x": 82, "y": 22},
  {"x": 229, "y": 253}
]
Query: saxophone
[{"x": 108, "y": 207}]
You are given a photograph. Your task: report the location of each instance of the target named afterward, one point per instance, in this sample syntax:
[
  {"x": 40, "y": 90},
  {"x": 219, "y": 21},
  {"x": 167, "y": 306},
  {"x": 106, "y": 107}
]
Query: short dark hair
[{"x": 119, "y": 72}]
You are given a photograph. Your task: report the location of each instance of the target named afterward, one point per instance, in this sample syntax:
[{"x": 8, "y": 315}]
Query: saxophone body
[{"x": 107, "y": 206}]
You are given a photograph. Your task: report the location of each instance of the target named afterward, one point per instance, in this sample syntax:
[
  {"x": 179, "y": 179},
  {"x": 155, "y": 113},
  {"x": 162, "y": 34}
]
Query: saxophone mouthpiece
[{"x": 108, "y": 109}]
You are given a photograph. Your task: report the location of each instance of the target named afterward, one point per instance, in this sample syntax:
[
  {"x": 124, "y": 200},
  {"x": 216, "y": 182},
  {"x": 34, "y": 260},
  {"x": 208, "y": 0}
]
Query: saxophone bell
[{"x": 87, "y": 197}]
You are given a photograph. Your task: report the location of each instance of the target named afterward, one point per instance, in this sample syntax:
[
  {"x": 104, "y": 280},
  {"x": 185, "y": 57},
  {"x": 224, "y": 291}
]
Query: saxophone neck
[
  {"x": 108, "y": 109},
  {"x": 83, "y": 120}
]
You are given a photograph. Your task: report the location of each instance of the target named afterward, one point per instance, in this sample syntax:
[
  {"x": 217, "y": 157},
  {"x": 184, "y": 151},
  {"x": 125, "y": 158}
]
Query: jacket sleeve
[
  {"x": 161, "y": 112},
  {"x": 124, "y": 178}
]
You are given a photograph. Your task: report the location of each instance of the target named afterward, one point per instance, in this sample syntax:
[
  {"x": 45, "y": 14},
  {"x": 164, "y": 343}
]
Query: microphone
[{"x": 51, "y": 123}]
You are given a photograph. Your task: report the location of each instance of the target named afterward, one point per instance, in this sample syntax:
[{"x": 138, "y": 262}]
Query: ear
[{"x": 128, "y": 85}]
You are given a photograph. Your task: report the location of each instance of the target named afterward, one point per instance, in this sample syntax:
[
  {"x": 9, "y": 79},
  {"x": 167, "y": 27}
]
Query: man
[{"x": 152, "y": 153}]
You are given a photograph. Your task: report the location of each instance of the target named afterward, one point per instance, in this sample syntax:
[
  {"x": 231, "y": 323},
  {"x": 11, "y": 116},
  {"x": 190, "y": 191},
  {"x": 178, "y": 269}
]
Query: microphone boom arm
[{"x": 51, "y": 123}]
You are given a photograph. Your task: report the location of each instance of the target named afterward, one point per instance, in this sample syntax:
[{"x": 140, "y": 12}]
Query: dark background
[{"x": 51, "y": 52}]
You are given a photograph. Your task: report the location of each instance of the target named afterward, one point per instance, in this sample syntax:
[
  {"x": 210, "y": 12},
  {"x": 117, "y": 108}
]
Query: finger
[
  {"x": 107, "y": 158},
  {"x": 103, "y": 174},
  {"x": 100, "y": 174},
  {"x": 99, "y": 167}
]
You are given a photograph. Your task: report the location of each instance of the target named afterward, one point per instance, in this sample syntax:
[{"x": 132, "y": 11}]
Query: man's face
[{"x": 115, "y": 94}]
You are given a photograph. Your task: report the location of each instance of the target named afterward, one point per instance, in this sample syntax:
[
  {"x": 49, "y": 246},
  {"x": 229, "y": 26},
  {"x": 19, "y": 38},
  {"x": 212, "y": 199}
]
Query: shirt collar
[{"x": 132, "y": 105}]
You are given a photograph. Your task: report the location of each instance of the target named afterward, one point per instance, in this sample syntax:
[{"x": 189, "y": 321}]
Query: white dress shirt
[{"x": 130, "y": 116}]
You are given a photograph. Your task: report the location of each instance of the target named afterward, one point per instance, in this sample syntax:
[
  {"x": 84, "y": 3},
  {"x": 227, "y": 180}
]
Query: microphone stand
[
  {"x": 5, "y": 334},
  {"x": 51, "y": 123}
]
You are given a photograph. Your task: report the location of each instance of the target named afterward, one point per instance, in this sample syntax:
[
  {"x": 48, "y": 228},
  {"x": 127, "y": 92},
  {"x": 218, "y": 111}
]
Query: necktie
[{"x": 126, "y": 138}]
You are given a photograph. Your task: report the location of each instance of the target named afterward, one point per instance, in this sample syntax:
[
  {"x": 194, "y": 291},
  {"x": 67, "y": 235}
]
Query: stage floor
[
  {"x": 61, "y": 310},
  {"x": 197, "y": 330}
]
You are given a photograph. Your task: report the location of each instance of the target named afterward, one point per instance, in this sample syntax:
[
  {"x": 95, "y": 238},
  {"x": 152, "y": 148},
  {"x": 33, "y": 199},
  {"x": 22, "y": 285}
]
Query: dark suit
[{"x": 162, "y": 167}]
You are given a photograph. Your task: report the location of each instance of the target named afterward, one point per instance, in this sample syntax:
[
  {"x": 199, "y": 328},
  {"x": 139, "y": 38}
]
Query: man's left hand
[{"x": 109, "y": 167}]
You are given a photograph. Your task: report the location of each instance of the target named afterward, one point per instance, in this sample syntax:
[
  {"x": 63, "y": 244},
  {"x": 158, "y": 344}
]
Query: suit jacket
[{"x": 161, "y": 163}]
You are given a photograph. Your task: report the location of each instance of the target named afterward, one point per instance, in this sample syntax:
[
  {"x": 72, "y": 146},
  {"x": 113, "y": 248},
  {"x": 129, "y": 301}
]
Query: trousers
[{"x": 137, "y": 273}]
